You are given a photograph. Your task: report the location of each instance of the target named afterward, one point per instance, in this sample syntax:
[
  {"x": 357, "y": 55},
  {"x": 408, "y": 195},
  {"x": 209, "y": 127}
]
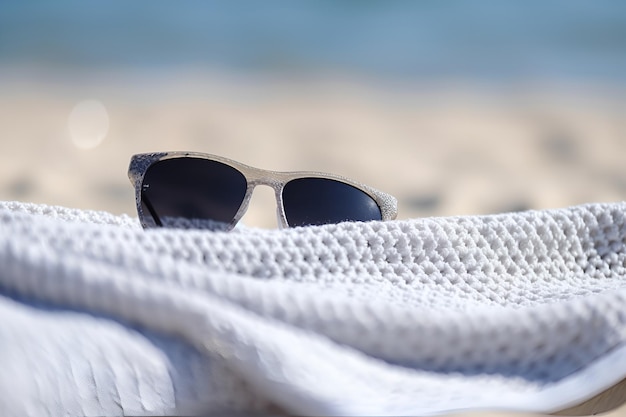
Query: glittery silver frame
[{"x": 140, "y": 163}]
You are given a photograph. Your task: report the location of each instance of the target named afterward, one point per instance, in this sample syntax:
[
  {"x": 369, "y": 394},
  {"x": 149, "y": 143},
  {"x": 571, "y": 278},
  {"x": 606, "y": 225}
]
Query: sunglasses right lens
[
  {"x": 192, "y": 193},
  {"x": 316, "y": 201}
]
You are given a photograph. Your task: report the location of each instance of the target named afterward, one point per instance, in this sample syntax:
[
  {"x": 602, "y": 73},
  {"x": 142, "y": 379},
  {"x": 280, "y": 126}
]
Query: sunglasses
[{"x": 202, "y": 191}]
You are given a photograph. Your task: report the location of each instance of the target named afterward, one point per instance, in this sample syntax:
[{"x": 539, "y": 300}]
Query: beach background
[{"x": 455, "y": 108}]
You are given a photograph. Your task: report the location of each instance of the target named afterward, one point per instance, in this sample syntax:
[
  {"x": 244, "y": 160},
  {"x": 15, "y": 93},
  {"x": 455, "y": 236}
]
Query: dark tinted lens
[
  {"x": 192, "y": 192},
  {"x": 314, "y": 201}
]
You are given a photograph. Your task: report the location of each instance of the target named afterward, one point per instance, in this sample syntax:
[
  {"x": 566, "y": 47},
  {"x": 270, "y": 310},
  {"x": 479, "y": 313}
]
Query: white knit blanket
[{"x": 521, "y": 311}]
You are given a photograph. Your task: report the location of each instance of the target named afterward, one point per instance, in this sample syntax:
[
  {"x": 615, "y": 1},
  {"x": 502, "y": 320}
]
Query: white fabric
[{"x": 520, "y": 311}]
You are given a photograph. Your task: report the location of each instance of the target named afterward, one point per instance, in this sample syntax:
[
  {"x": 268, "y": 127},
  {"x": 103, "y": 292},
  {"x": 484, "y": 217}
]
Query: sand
[
  {"x": 440, "y": 149},
  {"x": 443, "y": 149}
]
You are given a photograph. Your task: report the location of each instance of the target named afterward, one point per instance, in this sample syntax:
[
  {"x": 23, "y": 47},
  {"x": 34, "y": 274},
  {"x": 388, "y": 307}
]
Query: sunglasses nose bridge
[
  {"x": 276, "y": 182},
  {"x": 272, "y": 179}
]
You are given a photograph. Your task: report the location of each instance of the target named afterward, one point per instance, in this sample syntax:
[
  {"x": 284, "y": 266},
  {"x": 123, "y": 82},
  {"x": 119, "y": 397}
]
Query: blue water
[{"x": 571, "y": 39}]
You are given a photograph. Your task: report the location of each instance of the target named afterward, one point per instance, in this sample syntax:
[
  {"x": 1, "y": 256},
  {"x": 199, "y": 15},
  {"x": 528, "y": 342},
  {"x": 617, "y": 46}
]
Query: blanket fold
[{"x": 518, "y": 311}]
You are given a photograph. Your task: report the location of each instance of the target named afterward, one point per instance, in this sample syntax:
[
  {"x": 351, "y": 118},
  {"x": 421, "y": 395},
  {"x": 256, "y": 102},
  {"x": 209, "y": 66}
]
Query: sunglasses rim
[{"x": 140, "y": 163}]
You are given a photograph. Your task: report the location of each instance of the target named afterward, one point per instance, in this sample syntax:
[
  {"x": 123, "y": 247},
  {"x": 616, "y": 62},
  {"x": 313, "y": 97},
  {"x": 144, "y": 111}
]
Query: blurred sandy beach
[
  {"x": 455, "y": 109},
  {"x": 446, "y": 149}
]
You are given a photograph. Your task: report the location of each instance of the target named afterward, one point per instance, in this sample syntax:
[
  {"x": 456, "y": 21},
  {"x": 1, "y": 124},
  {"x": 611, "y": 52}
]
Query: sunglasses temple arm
[{"x": 146, "y": 201}]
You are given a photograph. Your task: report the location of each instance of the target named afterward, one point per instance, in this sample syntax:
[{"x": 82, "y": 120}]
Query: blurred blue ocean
[{"x": 408, "y": 39}]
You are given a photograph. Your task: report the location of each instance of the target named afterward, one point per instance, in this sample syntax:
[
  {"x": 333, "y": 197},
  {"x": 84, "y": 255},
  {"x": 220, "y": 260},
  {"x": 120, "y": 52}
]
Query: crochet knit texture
[{"x": 519, "y": 311}]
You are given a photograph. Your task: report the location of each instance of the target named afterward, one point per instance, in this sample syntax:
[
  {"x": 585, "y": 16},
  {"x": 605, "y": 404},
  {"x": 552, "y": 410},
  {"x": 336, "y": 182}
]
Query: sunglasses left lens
[
  {"x": 192, "y": 193},
  {"x": 316, "y": 201}
]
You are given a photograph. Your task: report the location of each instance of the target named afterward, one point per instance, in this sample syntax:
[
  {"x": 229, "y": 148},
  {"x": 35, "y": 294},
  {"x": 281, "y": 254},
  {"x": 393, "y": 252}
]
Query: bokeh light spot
[{"x": 88, "y": 124}]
